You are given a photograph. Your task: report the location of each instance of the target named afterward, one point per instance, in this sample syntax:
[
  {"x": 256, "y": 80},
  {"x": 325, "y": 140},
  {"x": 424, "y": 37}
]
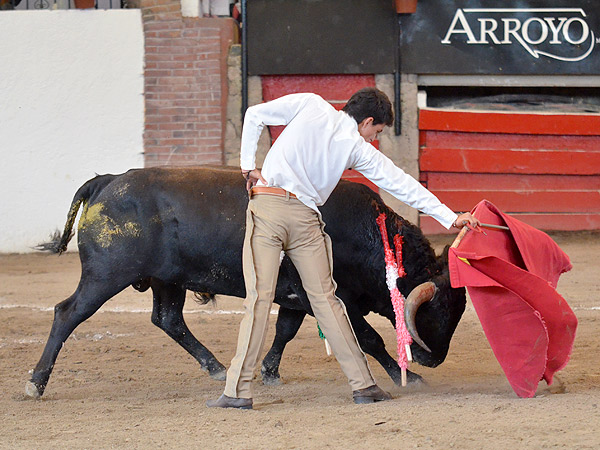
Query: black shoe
[
  {"x": 230, "y": 402},
  {"x": 371, "y": 394}
]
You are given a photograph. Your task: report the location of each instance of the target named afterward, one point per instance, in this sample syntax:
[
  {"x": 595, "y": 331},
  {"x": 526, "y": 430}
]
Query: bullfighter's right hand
[
  {"x": 466, "y": 219},
  {"x": 252, "y": 177}
]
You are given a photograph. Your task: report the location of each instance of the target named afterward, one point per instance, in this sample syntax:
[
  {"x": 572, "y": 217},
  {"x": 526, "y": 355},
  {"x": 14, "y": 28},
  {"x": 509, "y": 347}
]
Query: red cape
[{"x": 511, "y": 277}]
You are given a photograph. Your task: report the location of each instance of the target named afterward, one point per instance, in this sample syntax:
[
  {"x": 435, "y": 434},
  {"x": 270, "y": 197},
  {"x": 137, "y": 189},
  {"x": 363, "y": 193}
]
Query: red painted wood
[
  {"x": 514, "y": 123},
  {"x": 333, "y": 88},
  {"x": 508, "y": 182},
  {"x": 275, "y": 132},
  {"x": 562, "y": 222},
  {"x": 545, "y": 168},
  {"x": 510, "y": 161},
  {"x": 545, "y": 222},
  {"x": 503, "y": 141},
  {"x": 524, "y": 201},
  {"x": 357, "y": 177}
]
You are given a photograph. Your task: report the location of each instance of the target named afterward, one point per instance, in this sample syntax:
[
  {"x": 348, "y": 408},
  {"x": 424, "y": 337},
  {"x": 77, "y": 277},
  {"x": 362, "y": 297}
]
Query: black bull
[{"x": 174, "y": 230}]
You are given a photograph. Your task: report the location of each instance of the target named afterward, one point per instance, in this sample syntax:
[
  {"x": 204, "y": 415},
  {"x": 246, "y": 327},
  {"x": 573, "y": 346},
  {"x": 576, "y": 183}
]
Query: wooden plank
[
  {"x": 514, "y": 123},
  {"x": 335, "y": 88},
  {"x": 510, "y": 161},
  {"x": 545, "y": 222},
  {"x": 509, "y": 182},
  {"x": 524, "y": 201},
  {"x": 357, "y": 177},
  {"x": 503, "y": 141},
  {"x": 545, "y": 168}
]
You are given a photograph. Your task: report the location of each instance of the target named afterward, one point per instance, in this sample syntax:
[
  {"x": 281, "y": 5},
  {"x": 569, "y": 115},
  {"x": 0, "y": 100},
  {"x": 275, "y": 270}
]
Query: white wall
[{"x": 71, "y": 106}]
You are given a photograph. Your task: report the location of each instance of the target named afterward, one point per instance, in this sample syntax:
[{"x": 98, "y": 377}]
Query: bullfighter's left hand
[{"x": 252, "y": 177}]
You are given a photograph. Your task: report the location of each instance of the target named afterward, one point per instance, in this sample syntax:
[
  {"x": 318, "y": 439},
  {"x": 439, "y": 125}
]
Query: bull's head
[{"x": 431, "y": 312}]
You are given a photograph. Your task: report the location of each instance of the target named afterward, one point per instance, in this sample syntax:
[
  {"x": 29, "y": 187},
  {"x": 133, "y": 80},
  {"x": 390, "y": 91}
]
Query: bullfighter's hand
[
  {"x": 466, "y": 219},
  {"x": 252, "y": 178}
]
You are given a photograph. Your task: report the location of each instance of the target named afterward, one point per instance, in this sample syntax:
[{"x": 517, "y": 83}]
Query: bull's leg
[
  {"x": 288, "y": 324},
  {"x": 371, "y": 343},
  {"x": 167, "y": 314},
  {"x": 68, "y": 314}
]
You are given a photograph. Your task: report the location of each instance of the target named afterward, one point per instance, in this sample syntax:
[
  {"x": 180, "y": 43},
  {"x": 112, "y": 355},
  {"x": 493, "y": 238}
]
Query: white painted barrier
[{"x": 71, "y": 106}]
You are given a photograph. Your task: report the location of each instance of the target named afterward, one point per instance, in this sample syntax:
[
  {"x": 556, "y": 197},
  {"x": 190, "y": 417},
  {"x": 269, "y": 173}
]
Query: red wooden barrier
[
  {"x": 509, "y": 161},
  {"x": 513, "y": 123},
  {"x": 543, "y": 168}
]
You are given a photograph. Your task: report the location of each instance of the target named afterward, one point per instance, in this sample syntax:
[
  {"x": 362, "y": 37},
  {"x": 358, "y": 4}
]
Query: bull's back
[{"x": 175, "y": 224}]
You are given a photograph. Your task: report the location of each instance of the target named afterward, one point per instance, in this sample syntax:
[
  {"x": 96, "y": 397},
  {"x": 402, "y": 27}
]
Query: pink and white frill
[{"x": 394, "y": 270}]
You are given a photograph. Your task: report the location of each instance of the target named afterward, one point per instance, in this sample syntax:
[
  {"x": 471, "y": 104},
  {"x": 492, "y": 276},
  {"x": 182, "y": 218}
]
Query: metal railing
[{"x": 58, "y": 4}]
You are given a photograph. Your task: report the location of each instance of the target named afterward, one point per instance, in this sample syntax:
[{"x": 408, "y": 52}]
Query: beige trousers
[{"x": 278, "y": 223}]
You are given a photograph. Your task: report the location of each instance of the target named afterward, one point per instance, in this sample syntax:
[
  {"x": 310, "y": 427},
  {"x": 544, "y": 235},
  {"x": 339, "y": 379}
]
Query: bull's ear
[
  {"x": 442, "y": 258},
  {"x": 445, "y": 252},
  {"x": 441, "y": 261}
]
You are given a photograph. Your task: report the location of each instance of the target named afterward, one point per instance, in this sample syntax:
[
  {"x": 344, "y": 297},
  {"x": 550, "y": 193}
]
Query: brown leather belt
[{"x": 256, "y": 190}]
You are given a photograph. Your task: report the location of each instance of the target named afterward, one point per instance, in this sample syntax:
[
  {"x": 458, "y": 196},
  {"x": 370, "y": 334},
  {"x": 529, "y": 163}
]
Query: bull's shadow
[{"x": 177, "y": 229}]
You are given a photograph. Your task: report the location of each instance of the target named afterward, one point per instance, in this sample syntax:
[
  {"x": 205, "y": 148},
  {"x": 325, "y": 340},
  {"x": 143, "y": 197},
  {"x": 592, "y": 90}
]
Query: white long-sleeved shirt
[{"x": 317, "y": 145}]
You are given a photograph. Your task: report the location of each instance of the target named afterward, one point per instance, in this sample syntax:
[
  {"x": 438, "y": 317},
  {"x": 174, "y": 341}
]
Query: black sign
[
  {"x": 321, "y": 36},
  {"x": 549, "y": 37}
]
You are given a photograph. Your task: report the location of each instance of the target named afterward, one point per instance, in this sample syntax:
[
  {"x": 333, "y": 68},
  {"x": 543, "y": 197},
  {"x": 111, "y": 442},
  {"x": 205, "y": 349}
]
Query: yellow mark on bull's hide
[
  {"x": 103, "y": 228},
  {"x": 167, "y": 213},
  {"x": 90, "y": 215},
  {"x": 122, "y": 190},
  {"x": 132, "y": 229}
]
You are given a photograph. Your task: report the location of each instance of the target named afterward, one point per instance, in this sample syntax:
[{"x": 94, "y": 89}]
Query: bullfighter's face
[{"x": 368, "y": 131}]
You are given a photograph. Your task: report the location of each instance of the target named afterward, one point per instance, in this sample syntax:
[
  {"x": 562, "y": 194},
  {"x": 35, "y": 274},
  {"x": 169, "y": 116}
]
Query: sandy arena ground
[{"x": 120, "y": 382}]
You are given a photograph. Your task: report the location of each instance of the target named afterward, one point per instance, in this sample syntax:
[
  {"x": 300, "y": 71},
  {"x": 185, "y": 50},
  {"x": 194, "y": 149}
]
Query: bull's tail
[{"x": 84, "y": 194}]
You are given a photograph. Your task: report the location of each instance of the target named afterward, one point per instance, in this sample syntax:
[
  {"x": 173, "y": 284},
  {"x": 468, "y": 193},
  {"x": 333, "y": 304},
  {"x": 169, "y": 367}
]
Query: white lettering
[
  {"x": 466, "y": 29},
  {"x": 485, "y": 31},
  {"x": 555, "y": 29},
  {"x": 508, "y": 31},
  {"x": 564, "y": 27},
  {"x": 585, "y": 31},
  {"x": 543, "y": 33}
]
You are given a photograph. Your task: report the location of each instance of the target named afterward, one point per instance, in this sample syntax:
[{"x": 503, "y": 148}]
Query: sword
[
  {"x": 494, "y": 227},
  {"x": 466, "y": 228}
]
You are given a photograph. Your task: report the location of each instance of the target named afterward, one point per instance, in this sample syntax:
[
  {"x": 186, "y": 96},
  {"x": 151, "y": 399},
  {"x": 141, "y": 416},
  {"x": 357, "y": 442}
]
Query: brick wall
[{"x": 185, "y": 85}]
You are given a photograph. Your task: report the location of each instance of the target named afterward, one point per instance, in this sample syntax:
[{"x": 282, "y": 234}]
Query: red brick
[{"x": 183, "y": 82}]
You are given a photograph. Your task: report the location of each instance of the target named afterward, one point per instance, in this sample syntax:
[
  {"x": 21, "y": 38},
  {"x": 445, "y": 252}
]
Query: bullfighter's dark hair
[{"x": 370, "y": 102}]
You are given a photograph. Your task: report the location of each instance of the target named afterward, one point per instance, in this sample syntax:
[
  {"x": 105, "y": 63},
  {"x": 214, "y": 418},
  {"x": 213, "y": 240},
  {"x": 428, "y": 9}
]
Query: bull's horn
[{"x": 419, "y": 295}]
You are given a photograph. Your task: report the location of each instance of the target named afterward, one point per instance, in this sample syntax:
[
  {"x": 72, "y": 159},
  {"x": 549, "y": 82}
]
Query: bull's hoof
[
  {"x": 219, "y": 375},
  {"x": 271, "y": 381},
  {"x": 415, "y": 379},
  {"x": 269, "y": 378},
  {"x": 32, "y": 391}
]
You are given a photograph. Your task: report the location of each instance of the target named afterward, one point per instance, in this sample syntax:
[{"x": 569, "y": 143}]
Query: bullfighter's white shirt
[{"x": 317, "y": 145}]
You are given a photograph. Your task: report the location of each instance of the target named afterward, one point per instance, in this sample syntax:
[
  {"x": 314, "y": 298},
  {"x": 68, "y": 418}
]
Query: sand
[{"x": 120, "y": 382}]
